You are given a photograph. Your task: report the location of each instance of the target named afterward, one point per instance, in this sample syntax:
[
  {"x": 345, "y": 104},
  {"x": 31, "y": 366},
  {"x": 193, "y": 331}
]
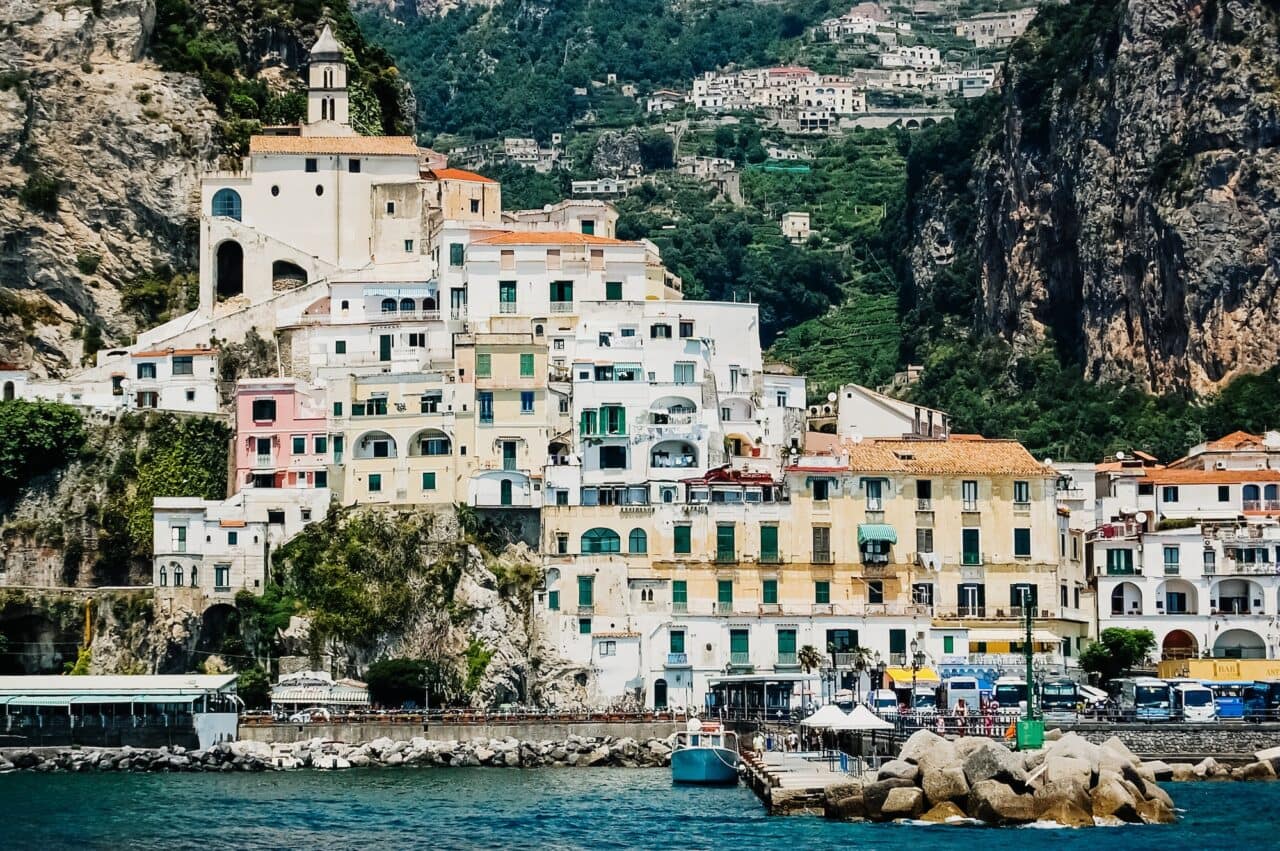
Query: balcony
[
  {"x": 770, "y": 558},
  {"x": 1243, "y": 568},
  {"x": 507, "y": 307},
  {"x": 822, "y": 557},
  {"x": 972, "y": 559},
  {"x": 677, "y": 660},
  {"x": 586, "y": 609},
  {"x": 1262, "y": 505},
  {"x": 724, "y": 608},
  {"x": 1171, "y": 569},
  {"x": 562, "y": 307},
  {"x": 823, "y": 609},
  {"x": 969, "y": 506},
  {"x": 1022, "y": 507},
  {"x": 673, "y": 461},
  {"x": 787, "y": 659},
  {"x": 262, "y": 461},
  {"x": 770, "y": 609},
  {"x": 925, "y": 504},
  {"x": 741, "y": 661},
  {"x": 680, "y": 607},
  {"x": 726, "y": 557}
]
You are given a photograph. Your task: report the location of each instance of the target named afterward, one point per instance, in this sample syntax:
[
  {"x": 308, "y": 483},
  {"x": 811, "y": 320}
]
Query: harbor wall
[
  {"x": 1174, "y": 741},
  {"x": 524, "y": 732}
]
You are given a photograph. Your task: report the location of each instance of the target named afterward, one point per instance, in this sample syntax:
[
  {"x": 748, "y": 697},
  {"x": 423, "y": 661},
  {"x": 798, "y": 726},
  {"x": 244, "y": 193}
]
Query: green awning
[{"x": 876, "y": 532}]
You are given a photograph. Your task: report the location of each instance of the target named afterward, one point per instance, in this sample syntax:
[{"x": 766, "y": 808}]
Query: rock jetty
[
  {"x": 575, "y": 751},
  {"x": 1071, "y": 781}
]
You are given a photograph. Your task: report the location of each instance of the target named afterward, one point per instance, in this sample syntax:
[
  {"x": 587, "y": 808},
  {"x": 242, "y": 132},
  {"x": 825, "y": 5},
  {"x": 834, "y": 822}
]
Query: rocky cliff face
[
  {"x": 1125, "y": 200},
  {"x": 99, "y": 151}
]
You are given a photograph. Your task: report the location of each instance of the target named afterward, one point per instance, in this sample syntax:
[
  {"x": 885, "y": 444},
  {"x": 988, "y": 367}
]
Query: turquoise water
[{"x": 533, "y": 809}]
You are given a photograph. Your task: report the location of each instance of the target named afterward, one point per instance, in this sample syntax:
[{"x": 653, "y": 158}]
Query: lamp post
[
  {"x": 915, "y": 669},
  {"x": 880, "y": 669}
]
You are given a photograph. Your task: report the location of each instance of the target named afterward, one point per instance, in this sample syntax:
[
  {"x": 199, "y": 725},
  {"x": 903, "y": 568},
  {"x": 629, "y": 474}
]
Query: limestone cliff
[{"x": 1124, "y": 198}]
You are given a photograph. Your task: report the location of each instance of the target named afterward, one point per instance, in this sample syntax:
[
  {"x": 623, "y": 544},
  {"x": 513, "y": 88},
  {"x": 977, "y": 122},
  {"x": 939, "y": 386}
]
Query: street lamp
[
  {"x": 880, "y": 669},
  {"x": 917, "y": 662}
]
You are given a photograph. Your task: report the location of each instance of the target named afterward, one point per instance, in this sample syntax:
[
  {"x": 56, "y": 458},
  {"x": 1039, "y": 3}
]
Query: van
[
  {"x": 963, "y": 688},
  {"x": 1193, "y": 702},
  {"x": 884, "y": 702}
]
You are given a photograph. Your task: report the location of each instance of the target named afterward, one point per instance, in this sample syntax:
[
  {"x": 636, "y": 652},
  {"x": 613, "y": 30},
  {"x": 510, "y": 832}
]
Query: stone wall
[
  {"x": 1185, "y": 740},
  {"x": 370, "y": 731}
]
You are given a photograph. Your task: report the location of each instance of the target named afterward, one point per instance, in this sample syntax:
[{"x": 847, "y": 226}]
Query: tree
[
  {"x": 395, "y": 682},
  {"x": 254, "y": 688},
  {"x": 810, "y": 659},
  {"x": 1116, "y": 651},
  {"x": 35, "y": 437}
]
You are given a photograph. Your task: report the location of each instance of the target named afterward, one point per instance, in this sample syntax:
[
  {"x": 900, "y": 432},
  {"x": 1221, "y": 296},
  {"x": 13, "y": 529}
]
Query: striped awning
[
  {"x": 876, "y": 532},
  {"x": 335, "y": 695},
  {"x": 422, "y": 291}
]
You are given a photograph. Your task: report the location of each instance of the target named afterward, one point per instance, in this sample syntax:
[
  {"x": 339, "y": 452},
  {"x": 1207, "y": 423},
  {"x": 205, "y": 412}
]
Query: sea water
[{"x": 566, "y": 808}]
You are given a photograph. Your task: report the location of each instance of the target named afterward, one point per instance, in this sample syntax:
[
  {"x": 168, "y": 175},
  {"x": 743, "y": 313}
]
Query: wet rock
[
  {"x": 904, "y": 802},
  {"x": 943, "y": 813},
  {"x": 997, "y": 803}
]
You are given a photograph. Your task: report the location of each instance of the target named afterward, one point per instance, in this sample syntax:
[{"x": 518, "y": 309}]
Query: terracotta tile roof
[
  {"x": 365, "y": 146},
  {"x": 966, "y": 456},
  {"x": 1236, "y": 440},
  {"x": 1209, "y": 477},
  {"x": 318, "y": 308},
  {"x": 231, "y": 524},
  {"x": 457, "y": 174},
  {"x": 543, "y": 237},
  {"x": 820, "y": 441}
]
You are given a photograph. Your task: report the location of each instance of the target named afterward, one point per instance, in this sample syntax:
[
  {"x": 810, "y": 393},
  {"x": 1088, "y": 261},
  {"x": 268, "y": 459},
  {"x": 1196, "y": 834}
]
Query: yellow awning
[{"x": 903, "y": 675}]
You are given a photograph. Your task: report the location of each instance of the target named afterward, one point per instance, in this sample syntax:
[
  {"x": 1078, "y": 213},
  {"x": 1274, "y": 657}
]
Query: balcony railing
[
  {"x": 724, "y": 608},
  {"x": 726, "y": 557},
  {"x": 1021, "y": 506},
  {"x": 586, "y": 609},
  {"x": 787, "y": 659},
  {"x": 1250, "y": 568},
  {"x": 925, "y": 504},
  {"x": 507, "y": 307},
  {"x": 1262, "y": 505},
  {"x": 770, "y": 558},
  {"x": 562, "y": 307},
  {"x": 971, "y": 559},
  {"x": 680, "y": 607},
  {"x": 262, "y": 461},
  {"x": 823, "y": 609},
  {"x": 822, "y": 557},
  {"x": 1171, "y": 569},
  {"x": 677, "y": 660},
  {"x": 740, "y": 660},
  {"x": 969, "y": 505}
]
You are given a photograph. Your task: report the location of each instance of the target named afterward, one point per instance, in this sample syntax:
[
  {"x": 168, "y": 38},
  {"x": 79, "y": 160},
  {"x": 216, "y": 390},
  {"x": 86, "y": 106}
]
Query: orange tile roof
[
  {"x": 966, "y": 456},
  {"x": 160, "y": 353},
  {"x": 1236, "y": 440},
  {"x": 365, "y": 146},
  {"x": 457, "y": 174},
  {"x": 543, "y": 237},
  {"x": 231, "y": 524},
  {"x": 820, "y": 441},
  {"x": 1209, "y": 477}
]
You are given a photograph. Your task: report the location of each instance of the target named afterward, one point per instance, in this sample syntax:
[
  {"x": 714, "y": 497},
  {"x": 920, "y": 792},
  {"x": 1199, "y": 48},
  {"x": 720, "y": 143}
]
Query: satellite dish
[
  {"x": 1141, "y": 517},
  {"x": 1048, "y": 462},
  {"x": 831, "y": 397},
  {"x": 1119, "y": 456}
]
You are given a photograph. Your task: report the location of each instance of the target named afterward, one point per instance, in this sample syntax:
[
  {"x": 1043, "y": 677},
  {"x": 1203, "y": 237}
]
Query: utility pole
[{"x": 1026, "y": 651}]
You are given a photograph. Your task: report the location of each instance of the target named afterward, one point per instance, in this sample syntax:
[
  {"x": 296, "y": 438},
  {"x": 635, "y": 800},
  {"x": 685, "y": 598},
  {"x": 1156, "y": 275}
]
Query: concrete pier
[{"x": 790, "y": 783}]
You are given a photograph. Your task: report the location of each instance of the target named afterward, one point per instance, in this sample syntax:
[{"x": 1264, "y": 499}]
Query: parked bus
[
  {"x": 1262, "y": 701},
  {"x": 1146, "y": 699},
  {"x": 1059, "y": 700},
  {"x": 925, "y": 700},
  {"x": 1193, "y": 702},
  {"x": 956, "y": 689},
  {"x": 884, "y": 703},
  {"x": 1230, "y": 698},
  {"x": 1011, "y": 693}
]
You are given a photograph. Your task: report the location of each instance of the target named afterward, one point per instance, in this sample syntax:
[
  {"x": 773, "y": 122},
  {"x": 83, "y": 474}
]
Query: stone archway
[
  {"x": 229, "y": 270},
  {"x": 286, "y": 275},
  {"x": 1179, "y": 644}
]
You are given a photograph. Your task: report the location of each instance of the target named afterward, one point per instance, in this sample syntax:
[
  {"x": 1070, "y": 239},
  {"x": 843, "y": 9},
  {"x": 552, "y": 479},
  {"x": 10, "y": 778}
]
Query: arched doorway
[
  {"x": 8, "y": 391},
  {"x": 1239, "y": 644},
  {"x": 660, "y": 694},
  {"x": 1126, "y": 599},
  {"x": 286, "y": 275},
  {"x": 229, "y": 270},
  {"x": 504, "y": 492},
  {"x": 1179, "y": 644}
]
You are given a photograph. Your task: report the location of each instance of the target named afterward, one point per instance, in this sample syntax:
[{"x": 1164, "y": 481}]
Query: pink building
[{"x": 282, "y": 438}]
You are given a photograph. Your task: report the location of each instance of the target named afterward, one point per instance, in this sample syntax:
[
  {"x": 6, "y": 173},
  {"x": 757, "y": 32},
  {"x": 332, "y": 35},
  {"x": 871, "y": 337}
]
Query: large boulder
[
  {"x": 924, "y": 742},
  {"x": 1255, "y": 771},
  {"x": 947, "y": 784},
  {"x": 1068, "y": 814},
  {"x": 1156, "y": 812},
  {"x": 1066, "y": 769},
  {"x": 944, "y": 813},
  {"x": 1074, "y": 745},
  {"x": 874, "y": 794},
  {"x": 1182, "y": 772},
  {"x": 1111, "y": 797},
  {"x": 991, "y": 761},
  {"x": 997, "y": 803},
  {"x": 1210, "y": 769},
  {"x": 847, "y": 808},
  {"x": 1160, "y": 770},
  {"x": 899, "y": 769},
  {"x": 904, "y": 802}
]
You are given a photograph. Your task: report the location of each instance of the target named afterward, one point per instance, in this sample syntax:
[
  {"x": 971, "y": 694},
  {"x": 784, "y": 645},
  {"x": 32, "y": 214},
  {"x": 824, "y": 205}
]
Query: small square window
[
  {"x": 375, "y": 483},
  {"x": 299, "y": 444},
  {"x": 191, "y": 395},
  {"x": 311, "y": 165},
  {"x": 428, "y": 481},
  {"x": 321, "y": 443},
  {"x": 233, "y": 538},
  {"x": 686, "y": 329},
  {"x": 475, "y": 205},
  {"x": 613, "y": 290},
  {"x": 353, "y": 166},
  {"x": 339, "y": 347},
  {"x": 391, "y": 208},
  {"x": 408, "y": 246}
]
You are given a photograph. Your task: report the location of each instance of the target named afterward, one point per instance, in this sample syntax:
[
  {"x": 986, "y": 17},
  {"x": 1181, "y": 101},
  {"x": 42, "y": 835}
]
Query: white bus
[
  {"x": 966, "y": 689},
  {"x": 1193, "y": 702}
]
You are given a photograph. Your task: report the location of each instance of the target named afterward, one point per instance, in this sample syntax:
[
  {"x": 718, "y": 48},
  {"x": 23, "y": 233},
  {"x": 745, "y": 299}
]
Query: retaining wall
[
  {"x": 526, "y": 732},
  {"x": 1183, "y": 740}
]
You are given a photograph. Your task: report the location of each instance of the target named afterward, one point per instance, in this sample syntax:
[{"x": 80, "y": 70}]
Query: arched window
[
  {"x": 328, "y": 78},
  {"x": 537, "y": 330},
  {"x": 346, "y": 305},
  {"x": 1271, "y": 492},
  {"x": 164, "y": 576},
  {"x": 637, "y": 542},
  {"x": 601, "y": 540},
  {"x": 193, "y": 576},
  {"x": 177, "y": 576},
  {"x": 226, "y": 204},
  {"x": 388, "y": 305},
  {"x": 407, "y": 305},
  {"x": 428, "y": 304},
  {"x": 1251, "y": 494}
]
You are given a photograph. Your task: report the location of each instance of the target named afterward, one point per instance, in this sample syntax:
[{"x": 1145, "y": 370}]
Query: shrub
[
  {"x": 41, "y": 193},
  {"x": 35, "y": 437},
  {"x": 88, "y": 262}
]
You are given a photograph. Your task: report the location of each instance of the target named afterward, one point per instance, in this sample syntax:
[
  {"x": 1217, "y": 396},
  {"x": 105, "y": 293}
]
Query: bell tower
[{"x": 328, "y": 108}]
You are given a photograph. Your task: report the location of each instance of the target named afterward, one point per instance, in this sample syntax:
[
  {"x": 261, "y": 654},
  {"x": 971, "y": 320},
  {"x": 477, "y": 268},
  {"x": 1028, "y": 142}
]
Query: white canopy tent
[
  {"x": 829, "y": 717},
  {"x": 863, "y": 720}
]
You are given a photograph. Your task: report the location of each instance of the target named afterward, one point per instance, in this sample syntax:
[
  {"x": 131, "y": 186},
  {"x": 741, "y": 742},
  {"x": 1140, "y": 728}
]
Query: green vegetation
[
  {"x": 478, "y": 659},
  {"x": 160, "y": 295},
  {"x": 29, "y": 311},
  {"x": 40, "y": 193},
  {"x": 184, "y": 456},
  {"x": 398, "y": 682},
  {"x": 1117, "y": 651},
  {"x": 253, "y": 685},
  {"x": 88, "y": 262},
  {"x": 80, "y": 667},
  {"x": 35, "y": 438}
]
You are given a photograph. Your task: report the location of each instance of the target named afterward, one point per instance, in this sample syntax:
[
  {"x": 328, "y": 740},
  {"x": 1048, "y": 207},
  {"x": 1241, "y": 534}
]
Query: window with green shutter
[
  {"x": 679, "y": 594},
  {"x": 770, "y": 591},
  {"x": 684, "y": 539},
  {"x": 584, "y": 626},
  {"x": 948, "y": 644},
  {"x": 526, "y": 365},
  {"x": 455, "y": 253},
  {"x": 337, "y": 409},
  {"x": 586, "y": 590},
  {"x": 1022, "y": 543},
  {"x": 299, "y": 445},
  {"x": 786, "y": 644},
  {"x": 484, "y": 364},
  {"x": 724, "y": 591},
  {"x": 613, "y": 290},
  {"x": 677, "y": 641},
  {"x": 553, "y": 601},
  {"x": 428, "y": 481},
  {"x": 769, "y": 543},
  {"x": 725, "y": 548},
  {"x": 739, "y": 642},
  {"x": 506, "y": 296},
  {"x": 822, "y": 592}
]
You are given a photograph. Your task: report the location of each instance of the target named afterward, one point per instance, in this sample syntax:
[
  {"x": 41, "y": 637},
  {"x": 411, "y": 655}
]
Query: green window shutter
[
  {"x": 455, "y": 253},
  {"x": 725, "y": 549},
  {"x": 677, "y": 642},
  {"x": 724, "y": 590},
  {"x": 553, "y": 601},
  {"x": 339, "y": 347},
  {"x": 584, "y": 626},
  {"x": 739, "y": 641},
  {"x": 897, "y": 641},
  {"x": 679, "y": 591},
  {"x": 613, "y": 290},
  {"x": 484, "y": 364},
  {"x": 948, "y": 644},
  {"x": 786, "y": 641},
  {"x": 428, "y": 481},
  {"x": 506, "y": 292},
  {"x": 337, "y": 409},
  {"x": 770, "y": 591},
  {"x": 375, "y": 482},
  {"x": 684, "y": 544},
  {"x": 822, "y": 592},
  {"x": 299, "y": 446},
  {"x": 768, "y": 543},
  {"x": 1022, "y": 542},
  {"x": 585, "y": 590},
  {"x": 526, "y": 365}
]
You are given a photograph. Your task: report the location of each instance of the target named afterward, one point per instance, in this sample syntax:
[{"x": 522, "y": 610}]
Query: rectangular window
[
  {"x": 221, "y": 577},
  {"x": 1119, "y": 562},
  {"x": 310, "y": 165},
  {"x": 526, "y": 365},
  {"x": 924, "y": 540},
  {"x": 922, "y": 593},
  {"x": 526, "y": 401},
  {"x": 1022, "y": 595},
  {"x": 353, "y": 166},
  {"x": 769, "y": 543},
  {"x": 1021, "y": 491},
  {"x": 320, "y": 444},
  {"x": 589, "y": 227},
  {"x": 584, "y": 626},
  {"x": 456, "y": 253},
  {"x": 675, "y": 641},
  {"x": 874, "y": 490},
  {"x": 660, "y": 332},
  {"x": 769, "y": 593},
  {"x": 339, "y": 347},
  {"x": 686, "y": 328},
  {"x": 233, "y": 538},
  {"x": 739, "y": 646},
  {"x": 553, "y": 258},
  {"x": 724, "y": 592},
  {"x": 263, "y": 444},
  {"x": 786, "y": 646},
  {"x": 146, "y": 370},
  {"x": 506, "y": 296},
  {"x": 178, "y": 537},
  {"x": 1022, "y": 543},
  {"x": 683, "y": 539},
  {"x": 683, "y": 373},
  {"x": 970, "y": 547},
  {"x": 475, "y": 205},
  {"x": 183, "y": 365},
  {"x": 391, "y": 208},
  {"x": 1171, "y": 560},
  {"x": 924, "y": 494},
  {"x": 821, "y": 489},
  {"x": 613, "y": 457},
  {"x": 679, "y": 595},
  {"x": 969, "y": 495},
  {"x": 561, "y": 292},
  {"x": 613, "y": 290},
  {"x": 428, "y": 481},
  {"x": 948, "y": 644},
  {"x": 821, "y": 592},
  {"x": 1168, "y": 494},
  {"x": 299, "y": 444},
  {"x": 375, "y": 483},
  {"x": 408, "y": 246},
  {"x": 725, "y": 545},
  {"x": 264, "y": 410},
  {"x": 822, "y": 544},
  {"x": 875, "y": 592},
  {"x": 322, "y": 478},
  {"x": 553, "y": 601},
  {"x": 586, "y": 591},
  {"x": 1224, "y": 493}
]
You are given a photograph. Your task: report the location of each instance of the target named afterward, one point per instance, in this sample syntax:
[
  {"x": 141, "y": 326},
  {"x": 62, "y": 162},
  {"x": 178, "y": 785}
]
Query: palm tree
[
  {"x": 810, "y": 658},
  {"x": 861, "y": 662}
]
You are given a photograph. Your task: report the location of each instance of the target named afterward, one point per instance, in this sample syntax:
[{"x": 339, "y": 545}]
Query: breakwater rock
[
  {"x": 1071, "y": 781},
  {"x": 573, "y": 751}
]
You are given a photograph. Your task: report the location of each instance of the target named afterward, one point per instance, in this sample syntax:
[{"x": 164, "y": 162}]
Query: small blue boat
[{"x": 706, "y": 755}]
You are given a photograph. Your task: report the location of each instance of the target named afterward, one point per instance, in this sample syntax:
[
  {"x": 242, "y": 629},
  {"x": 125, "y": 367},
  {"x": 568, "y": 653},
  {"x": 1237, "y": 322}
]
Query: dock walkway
[{"x": 792, "y": 782}]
